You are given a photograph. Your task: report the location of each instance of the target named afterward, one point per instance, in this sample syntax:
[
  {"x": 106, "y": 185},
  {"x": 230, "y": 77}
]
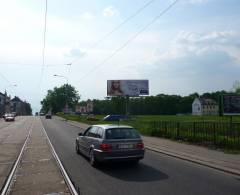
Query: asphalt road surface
[{"x": 156, "y": 174}]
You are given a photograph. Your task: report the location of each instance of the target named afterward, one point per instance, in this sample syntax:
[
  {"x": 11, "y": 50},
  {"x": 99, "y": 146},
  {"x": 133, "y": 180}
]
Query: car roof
[{"x": 112, "y": 126}]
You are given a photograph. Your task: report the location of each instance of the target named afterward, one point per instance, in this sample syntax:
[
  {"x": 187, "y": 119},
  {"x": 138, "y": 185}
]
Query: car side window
[
  {"x": 100, "y": 132},
  {"x": 92, "y": 132},
  {"x": 87, "y": 131}
]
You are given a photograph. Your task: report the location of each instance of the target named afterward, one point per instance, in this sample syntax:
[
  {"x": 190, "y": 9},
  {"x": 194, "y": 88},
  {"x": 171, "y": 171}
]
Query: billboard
[
  {"x": 132, "y": 88},
  {"x": 231, "y": 104}
]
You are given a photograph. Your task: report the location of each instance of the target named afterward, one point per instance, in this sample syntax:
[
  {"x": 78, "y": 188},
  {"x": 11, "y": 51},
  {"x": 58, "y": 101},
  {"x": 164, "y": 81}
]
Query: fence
[{"x": 219, "y": 134}]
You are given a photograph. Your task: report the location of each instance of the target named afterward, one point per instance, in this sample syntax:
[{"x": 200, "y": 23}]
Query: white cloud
[
  {"x": 110, "y": 11},
  {"x": 76, "y": 53},
  {"x": 88, "y": 15},
  {"x": 187, "y": 43}
]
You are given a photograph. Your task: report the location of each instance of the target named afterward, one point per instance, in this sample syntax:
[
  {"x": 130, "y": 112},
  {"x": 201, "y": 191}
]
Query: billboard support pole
[{"x": 127, "y": 104}]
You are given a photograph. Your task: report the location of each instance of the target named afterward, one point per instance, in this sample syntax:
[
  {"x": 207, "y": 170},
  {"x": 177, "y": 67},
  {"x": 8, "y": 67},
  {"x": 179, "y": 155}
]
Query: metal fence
[{"x": 219, "y": 134}]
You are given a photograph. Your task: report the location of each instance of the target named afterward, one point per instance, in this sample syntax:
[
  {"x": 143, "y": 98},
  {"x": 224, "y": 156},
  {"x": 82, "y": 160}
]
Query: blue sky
[{"x": 194, "y": 47}]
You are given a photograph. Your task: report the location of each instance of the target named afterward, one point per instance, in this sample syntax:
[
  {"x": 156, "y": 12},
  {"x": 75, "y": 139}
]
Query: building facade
[{"x": 205, "y": 106}]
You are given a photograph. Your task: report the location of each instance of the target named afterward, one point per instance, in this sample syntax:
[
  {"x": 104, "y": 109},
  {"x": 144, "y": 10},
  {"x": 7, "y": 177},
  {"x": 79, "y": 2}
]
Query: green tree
[{"x": 57, "y": 98}]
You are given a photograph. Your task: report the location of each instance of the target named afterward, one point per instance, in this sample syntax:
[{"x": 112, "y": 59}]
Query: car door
[
  {"x": 82, "y": 141},
  {"x": 89, "y": 139}
]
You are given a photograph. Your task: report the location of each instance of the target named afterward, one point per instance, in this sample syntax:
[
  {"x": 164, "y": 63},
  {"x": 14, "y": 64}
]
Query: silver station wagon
[{"x": 102, "y": 143}]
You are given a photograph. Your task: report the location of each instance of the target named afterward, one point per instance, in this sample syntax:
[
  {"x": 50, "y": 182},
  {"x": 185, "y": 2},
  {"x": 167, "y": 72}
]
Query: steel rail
[{"x": 7, "y": 184}]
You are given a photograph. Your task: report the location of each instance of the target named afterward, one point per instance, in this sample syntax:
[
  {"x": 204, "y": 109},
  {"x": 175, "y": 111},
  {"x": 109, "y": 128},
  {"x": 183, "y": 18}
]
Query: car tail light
[
  {"x": 140, "y": 145},
  {"x": 105, "y": 147}
]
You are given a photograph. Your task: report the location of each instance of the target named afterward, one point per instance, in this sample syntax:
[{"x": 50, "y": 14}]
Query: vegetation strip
[{"x": 216, "y": 132}]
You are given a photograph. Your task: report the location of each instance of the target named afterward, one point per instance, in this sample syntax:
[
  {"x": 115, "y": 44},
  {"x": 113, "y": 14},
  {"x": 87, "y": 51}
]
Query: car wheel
[
  {"x": 77, "y": 148},
  {"x": 92, "y": 158}
]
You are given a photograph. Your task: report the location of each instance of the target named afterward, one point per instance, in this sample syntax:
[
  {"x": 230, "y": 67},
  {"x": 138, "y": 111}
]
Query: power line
[
  {"x": 32, "y": 65},
  {"x": 129, "y": 40},
  {"x": 44, "y": 42},
  {"x": 12, "y": 85},
  {"x": 119, "y": 26}
]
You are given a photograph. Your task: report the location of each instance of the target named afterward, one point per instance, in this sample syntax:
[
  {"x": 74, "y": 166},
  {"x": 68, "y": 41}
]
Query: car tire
[
  {"x": 77, "y": 148},
  {"x": 92, "y": 159}
]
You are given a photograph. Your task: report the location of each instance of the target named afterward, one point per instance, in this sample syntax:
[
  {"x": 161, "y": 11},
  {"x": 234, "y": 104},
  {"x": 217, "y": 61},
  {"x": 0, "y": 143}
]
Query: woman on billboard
[{"x": 116, "y": 88}]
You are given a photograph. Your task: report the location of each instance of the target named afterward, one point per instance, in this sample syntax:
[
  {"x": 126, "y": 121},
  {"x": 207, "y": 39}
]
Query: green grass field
[
  {"x": 150, "y": 118},
  {"x": 208, "y": 130}
]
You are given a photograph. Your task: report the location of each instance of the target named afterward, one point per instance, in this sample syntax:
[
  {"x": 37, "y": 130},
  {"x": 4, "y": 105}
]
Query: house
[
  {"x": 17, "y": 106},
  {"x": 2, "y": 104},
  {"x": 204, "y": 106},
  {"x": 84, "y": 108}
]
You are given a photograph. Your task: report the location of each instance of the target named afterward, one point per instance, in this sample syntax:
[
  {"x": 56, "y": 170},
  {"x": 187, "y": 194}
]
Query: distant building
[
  {"x": 84, "y": 108},
  {"x": 89, "y": 106},
  {"x": 205, "y": 106},
  {"x": 2, "y": 104},
  {"x": 17, "y": 106}
]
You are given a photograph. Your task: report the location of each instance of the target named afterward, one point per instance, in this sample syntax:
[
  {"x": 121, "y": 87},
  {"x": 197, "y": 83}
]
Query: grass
[{"x": 179, "y": 127}]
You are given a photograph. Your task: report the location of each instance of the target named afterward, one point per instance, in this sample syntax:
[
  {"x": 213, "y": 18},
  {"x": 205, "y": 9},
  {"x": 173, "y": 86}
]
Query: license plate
[{"x": 125, "y": 146}]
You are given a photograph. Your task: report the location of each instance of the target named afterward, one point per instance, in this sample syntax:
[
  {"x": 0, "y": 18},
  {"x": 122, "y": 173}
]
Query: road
[{"x": 156, "y": 174}]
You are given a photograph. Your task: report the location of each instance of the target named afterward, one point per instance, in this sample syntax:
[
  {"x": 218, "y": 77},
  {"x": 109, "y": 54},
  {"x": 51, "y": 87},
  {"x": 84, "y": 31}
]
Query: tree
[
  {"x": 236, "y": 86},
  {"x": 57, "y": 98}
]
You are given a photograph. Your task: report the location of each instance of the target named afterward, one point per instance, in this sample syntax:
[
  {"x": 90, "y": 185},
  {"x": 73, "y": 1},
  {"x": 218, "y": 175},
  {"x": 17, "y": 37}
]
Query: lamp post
[{"x": 61, "y": 76}]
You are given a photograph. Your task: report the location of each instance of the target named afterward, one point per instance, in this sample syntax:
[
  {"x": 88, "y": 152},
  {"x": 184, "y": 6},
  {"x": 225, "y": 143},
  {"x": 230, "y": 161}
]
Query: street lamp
[
  {"x": 66, "y": 104},
  {"x": 56, "y": 75}
]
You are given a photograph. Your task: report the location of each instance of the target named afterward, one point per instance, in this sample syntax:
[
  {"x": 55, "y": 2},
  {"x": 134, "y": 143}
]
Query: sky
[{"x": 192, "y": 47}]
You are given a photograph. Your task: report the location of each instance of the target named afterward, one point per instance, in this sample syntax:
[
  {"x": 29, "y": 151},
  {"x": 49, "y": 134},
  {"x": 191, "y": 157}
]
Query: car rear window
[{"x": 122, "y": 133}]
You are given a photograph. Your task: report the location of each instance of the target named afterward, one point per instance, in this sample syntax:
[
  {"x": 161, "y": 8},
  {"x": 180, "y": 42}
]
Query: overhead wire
[
  {"x": 104, "y": 37},
  {"x": 12, "y": 85},
  {"x": 44, "y": 42},
  {"x": 129, "y": 40},
  {"x": 31, "y": 65}
]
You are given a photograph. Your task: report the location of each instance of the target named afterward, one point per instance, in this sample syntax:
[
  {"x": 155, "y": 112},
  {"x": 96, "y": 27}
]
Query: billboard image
[
  {"x": 231, "y": 104},
  {"x": 132, "y": 88}
]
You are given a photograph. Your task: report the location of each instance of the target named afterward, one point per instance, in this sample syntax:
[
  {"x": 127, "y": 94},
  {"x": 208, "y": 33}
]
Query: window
[
  {"x": 122, "y": 133},
  {"x": 99, "y": 132}
]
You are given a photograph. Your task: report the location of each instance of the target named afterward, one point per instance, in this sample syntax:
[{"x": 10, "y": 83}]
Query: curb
[{"x": 197, "y": 161}]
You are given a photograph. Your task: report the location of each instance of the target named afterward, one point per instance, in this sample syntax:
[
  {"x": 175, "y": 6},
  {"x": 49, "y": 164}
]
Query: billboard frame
[
  {"x": 222, "y": 105},
  {"x": 127, "y": 88}
]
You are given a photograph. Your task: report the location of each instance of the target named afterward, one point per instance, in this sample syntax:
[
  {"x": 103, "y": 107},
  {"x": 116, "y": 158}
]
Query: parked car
[
  {"x": 103, "y": 143},
  {"x": 9, "y": 117},
  {"x": 48, "y": 116},
  {"x": 115, "y": 117}
]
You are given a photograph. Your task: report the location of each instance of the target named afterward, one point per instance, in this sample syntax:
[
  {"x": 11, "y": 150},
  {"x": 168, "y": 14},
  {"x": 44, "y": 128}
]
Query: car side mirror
[{"x": 80, "y": 134}]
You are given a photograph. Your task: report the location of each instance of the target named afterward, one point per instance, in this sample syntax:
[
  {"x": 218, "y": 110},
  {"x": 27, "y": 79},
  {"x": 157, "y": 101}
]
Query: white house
[{"x": 204, "y": 106}]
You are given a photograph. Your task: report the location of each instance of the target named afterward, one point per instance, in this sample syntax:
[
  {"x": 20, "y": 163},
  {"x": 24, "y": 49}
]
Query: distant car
[
  {"x": 42, "y": 114},
  {"x": 103, "y": 143},
  {"x": 48, "y": 116},
  {"x": 115, "y": 117},
  {"x": 9, "y": 117}
]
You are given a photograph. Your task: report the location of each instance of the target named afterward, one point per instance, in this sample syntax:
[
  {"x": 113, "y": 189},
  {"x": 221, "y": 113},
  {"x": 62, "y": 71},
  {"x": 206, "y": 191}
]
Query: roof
[
  {"x": 2, "y": 94},
  {"x": 112, "y": 126},
  {"x": 16, "y": 99},
  {"x": 207, "y": 101}
]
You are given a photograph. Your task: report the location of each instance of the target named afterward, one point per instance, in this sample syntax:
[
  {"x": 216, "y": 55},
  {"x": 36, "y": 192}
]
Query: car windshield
[{"x": 122, "y": 133}]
